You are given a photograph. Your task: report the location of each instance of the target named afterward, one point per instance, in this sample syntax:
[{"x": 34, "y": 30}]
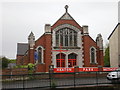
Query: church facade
[{"x": 64, "y": 44}]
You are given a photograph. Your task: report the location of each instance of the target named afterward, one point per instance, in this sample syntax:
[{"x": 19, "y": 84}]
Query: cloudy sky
[{"x": 21, "y": 17}]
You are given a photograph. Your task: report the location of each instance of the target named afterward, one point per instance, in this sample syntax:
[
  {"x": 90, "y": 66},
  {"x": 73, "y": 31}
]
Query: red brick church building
[{"x": 64, "y": 44}]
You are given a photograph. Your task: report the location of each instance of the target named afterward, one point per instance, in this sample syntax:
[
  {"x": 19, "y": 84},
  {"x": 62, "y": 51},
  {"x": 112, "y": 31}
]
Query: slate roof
[{"x": 22, "y": 48}]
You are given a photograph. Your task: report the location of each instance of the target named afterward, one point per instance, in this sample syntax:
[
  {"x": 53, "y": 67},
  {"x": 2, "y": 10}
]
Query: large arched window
[
  {"x": 66, "y": 37},
  {"x": 72, "y": 60},
  {"x": 92, "y": 55},
  {"x": 60, "y": 60}
]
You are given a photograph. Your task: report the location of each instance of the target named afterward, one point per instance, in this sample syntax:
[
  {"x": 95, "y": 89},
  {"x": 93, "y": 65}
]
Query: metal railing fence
[{"x": 52, "y": 80}]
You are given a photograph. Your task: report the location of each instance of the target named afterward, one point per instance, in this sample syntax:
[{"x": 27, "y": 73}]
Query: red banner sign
[
  {"x": 85, "y": 69},
  {"x": 63, "y": 69},
  {"x": 109, "y": 69}
]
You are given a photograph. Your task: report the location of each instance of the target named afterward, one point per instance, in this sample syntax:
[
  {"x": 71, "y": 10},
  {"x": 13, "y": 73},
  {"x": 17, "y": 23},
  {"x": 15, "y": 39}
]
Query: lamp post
[
  {"x": 51, "y": 71},
  {"x": 51, "y": 68}
]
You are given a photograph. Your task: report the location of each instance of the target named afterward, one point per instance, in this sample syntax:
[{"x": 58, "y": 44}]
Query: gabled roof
[
  {"x": 113, "y": 31},
  {"x": 22, "y": 48},
  {"x": 66, "y": 16},
  {"x": 66, "y": 19}
]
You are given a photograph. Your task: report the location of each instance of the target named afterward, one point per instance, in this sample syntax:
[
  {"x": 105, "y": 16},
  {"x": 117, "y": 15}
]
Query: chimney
[
  {"x": 47, "y": 29},
  {"x": 85, "y": 30}
]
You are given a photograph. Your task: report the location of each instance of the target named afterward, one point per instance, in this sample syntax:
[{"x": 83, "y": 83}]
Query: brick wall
[
  {"x": 48, "y": 48},
  {"x": 17, "y": 71},
  {"x": 22, "y": 60},
  {"x": 89, "y": 42},
  {"x": 19, "y": 60},
  {"x": 45, "y": 41},
  {"x": 72, "y": 22}
]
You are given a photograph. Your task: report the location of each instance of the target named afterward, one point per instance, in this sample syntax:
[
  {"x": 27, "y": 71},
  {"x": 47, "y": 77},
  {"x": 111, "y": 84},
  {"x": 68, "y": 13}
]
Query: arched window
[
  {"x": 39, "y": 54},
  {"x": 72, "y": 60},
  {"x": 66, "y": 37},
  {"x": 60, "y": 60},
  {"x": 93, "y": 55}
]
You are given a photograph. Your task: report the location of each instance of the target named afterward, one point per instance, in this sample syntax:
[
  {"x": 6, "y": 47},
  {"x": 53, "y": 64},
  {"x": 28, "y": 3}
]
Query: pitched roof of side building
[
  {"x": 22, "y": 48},
  {"x": 113, "y": 31}
]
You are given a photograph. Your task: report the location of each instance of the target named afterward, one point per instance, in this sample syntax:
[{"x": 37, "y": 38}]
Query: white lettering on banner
[
  {"x": 87, "y": 69},
  {"x": 82, "y": 69},
  {"x": 64, "y": 69},
  {"x": 109, "y": 69}
]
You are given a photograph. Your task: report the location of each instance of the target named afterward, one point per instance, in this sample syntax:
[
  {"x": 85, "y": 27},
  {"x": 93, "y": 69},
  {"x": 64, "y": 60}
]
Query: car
[{"x": 114, "y": 75}]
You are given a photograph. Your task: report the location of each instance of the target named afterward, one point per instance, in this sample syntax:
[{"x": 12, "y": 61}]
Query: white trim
[
  {"x": 31, "y": 48},
  {"x": 42, "y": 58},
  {"x": 66, "y": 25},
  {"x": 95, "y": 62},
  {"x": 66, "y": 61},
  {"x": 76, "y": 58},
  {"x": 78, "y": 52},
  {"x": 47, "y": 32}
]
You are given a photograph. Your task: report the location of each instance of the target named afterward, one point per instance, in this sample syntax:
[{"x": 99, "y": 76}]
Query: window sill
[
  {"x": 67, "y": 47},
  {"x": 93, "y": 63},
  {"x": 41, "y": 63}
]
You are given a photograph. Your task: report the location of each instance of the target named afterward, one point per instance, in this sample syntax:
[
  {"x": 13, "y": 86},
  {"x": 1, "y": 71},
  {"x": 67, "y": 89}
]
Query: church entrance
[
  {"x": 60, "y": 60},
  {"x": 72, "y": 60}
]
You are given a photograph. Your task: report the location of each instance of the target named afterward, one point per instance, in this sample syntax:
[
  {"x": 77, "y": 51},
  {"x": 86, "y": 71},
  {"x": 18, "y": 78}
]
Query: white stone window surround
[
  {"x": 42, "y": 58},
  {"x": 61, "y": 57},
  {"x": 79, "y": 60},
  {"x": 75, "y": 57},
  {"x": 95, "y": 58},
  {"x": 78, "y": 52},
  {"x": 66, "y": 26}
]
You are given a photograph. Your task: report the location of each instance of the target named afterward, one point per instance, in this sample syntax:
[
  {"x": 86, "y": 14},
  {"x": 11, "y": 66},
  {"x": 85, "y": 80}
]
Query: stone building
[
  {"x": 114, "y": 44},
  {"x": 64, "y": 44}
]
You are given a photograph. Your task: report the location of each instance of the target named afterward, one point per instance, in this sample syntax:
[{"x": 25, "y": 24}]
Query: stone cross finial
[{"x": 66, "y": 7}]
